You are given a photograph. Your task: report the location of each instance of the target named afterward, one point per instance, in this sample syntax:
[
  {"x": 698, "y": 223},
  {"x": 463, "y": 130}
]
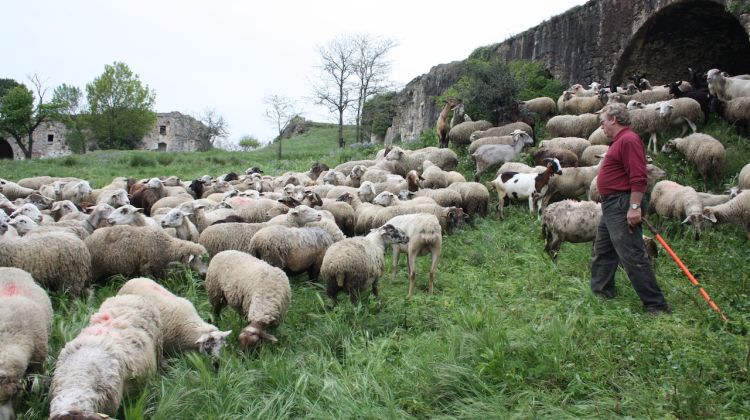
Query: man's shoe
[{"x": 656, "y": 311}]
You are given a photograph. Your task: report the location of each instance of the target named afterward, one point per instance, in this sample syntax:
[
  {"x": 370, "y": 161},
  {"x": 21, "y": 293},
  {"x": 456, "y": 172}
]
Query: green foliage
[
  {"x": 141, "y": 160},
  {"x": 6, "y": 85},
  {"x": 378, "y": 113},
  {"x": 534, "y": 80},
  {"x": 121, "y": 108},
  {"x": 739, "y": 6},
  {"x": 19, "y": 118},
  {"x": 249, "y": 143}
]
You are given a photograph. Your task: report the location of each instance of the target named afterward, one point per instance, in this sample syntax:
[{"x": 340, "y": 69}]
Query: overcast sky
[{"x": 228, "y": 55}]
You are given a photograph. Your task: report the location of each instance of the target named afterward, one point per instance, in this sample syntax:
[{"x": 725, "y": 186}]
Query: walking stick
[{"x": 685, "y": 270}]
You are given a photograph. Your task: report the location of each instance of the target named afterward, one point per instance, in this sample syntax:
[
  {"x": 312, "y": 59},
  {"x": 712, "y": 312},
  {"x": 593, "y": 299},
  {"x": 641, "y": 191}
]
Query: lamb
[
  {"x": 726, "y": 88},
  {"x": 543, "y": 106},
  {"x": 122, "y": 342},
  {"x": 492, "y": 154},
  {"x": 572, "y": 125},
  {"x": 504, "y": 130},
  {"x": 704, "y": 151},
  {"x": 566, "y": 157},
  {"x": 589, "y": 154},
  {"x": 355, "y": 264},
  {"x": 735, "y": 211},
  {"x": 252, "y": 287},
  {"x": 182, "y": 327},
  {"x": 180, "y": 221},
  {"x": 26, "y": 319},
  {"x": 509, "y": 139},
  {"x": 575, "y": 144},
  {"x": 292, "y": 249},
  {"x": 569, "y": 221},
  {"x": 425, "y": 235},
  {"x": 434, "y": 177},
  {"x": 129, "y": 215},
  {"x": 672, "y": 200},
  {"x": 140, "y": 251},
  {"x": 461, "y": 133},
  {"x": 523, "y": 186},
  {"x": 12, "y": 191},
  {"x": 474, "y": 198},
  {"x": 56, "y": 260}
]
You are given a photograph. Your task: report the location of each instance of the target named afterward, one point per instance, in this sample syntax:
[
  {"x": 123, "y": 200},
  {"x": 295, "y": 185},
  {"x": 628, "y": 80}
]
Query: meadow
[{"x": 508, "y": 333}]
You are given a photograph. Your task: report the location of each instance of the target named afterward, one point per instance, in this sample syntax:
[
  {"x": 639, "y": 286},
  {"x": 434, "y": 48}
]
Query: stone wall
[{"x": 49, "y": 142}]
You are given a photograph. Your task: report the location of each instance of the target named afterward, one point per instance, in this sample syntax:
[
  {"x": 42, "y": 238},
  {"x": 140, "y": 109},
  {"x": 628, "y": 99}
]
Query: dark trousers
[{"x": 614, "y": 244}]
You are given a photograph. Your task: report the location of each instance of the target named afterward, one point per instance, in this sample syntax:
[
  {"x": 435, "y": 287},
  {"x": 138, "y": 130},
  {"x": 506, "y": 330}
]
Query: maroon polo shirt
[{"x": 624, "y": 165}]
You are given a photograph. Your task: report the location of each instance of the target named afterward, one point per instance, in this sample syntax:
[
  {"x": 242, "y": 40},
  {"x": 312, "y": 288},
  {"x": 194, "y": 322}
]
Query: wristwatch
[{"x": 635, "y": 206}]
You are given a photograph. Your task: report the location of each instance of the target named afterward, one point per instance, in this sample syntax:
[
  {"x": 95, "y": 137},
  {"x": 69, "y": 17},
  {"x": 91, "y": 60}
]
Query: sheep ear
[
  {"x": 268, "y": 337},
  {"x": 191, "y": 257},
  {"x": 139, "y": 210},
  {"x": 710, "y": 216},
  {"x": 686, "y": 221}
]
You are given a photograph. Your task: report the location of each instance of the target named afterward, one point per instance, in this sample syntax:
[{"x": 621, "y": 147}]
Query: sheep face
[
  {"x": 252, "y": 336},
  {"x": 384, "y": 199},
  {"x": 173, "y": 219},
  {"x": 124, "y": 215},
  {"x": 30, "y": 211},
  {"x": 23, "y": 224},
  {"x": 212, "y": 342},
  {"x": 303, "y": 214},
  {"x": 393, "y": 235},
  {"x": 669, "y": 147},
  {"x": 40, "y": 201}
]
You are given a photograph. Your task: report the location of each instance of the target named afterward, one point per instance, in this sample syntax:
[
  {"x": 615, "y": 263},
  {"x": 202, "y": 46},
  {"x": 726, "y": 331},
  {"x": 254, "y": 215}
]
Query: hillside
[{"x": 507, "y": 333}]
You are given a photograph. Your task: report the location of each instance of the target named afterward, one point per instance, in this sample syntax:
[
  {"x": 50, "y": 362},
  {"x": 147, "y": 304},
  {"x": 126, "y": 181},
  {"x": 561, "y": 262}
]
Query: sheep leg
[
  {"x": 410, "y": 260},
  {"x": 693, "y": 128},
  {"x": 433, "y": 268},
  {"x": 394, "y": 267},
  {"x": 218, "y": 305},
  {"x": 531, "y": 203},
  {"x": 375, "y": 288}
]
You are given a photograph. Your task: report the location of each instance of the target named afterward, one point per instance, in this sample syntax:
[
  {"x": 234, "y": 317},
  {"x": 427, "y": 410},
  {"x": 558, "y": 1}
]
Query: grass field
[{"x": 507, "y": 333}]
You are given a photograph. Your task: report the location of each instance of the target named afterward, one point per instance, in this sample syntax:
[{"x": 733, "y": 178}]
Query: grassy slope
[{"x": 507, "y": 332}]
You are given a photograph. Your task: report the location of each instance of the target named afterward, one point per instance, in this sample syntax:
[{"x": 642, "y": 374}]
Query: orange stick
[{"x": 685, "y": 270}]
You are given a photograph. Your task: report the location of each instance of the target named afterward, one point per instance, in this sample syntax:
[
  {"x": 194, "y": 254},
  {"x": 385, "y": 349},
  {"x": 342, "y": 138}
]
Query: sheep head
[
  {"x": 211, "y": 343},
  {"x": 250, "y": 337},
  {"x": 392, "y": 234},
  {"x": 79, "y": 415}
]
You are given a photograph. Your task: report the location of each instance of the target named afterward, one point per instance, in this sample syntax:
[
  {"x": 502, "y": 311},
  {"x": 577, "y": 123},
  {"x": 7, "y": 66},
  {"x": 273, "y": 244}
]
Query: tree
[
  {"x": 334, "y": 87},
  {"x": 216, "y": 128},
  {"x": 371, "y": 70},
  {"x": 19, "y": 117},
  {"x": 248, "y": 143},
  {"x": 121, "y": 108},
  {"x": 279, "y": 112},
  {"x": 378, "y": 113},
  {"x": 6, "y": 85},
  {"x": 70, "y": 112}
]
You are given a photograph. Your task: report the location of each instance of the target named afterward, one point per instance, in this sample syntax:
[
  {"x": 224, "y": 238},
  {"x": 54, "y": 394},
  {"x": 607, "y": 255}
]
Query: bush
[
  {"x": 534, "y": 80},
  {"x": 70, "y": 160},
  {"x": 378, "y": 113},
  {"x": 141, "y": 160},
  {"x": 164, "y": 159}
]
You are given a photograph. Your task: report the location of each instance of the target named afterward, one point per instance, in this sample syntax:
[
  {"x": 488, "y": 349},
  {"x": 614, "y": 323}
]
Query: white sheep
[
  {"x": 743, "y": 180},
  {"x": 577, "y": 105},
  {"x": 411, "y": 160},
  {"x": 475, "y": 198},
  {"x": 509, "y": 139},
  {"x": 355, "y": 264},
  {"x": 180, "y": 221},
  {"x": 589, "y": 155},
  {"x": 503, "y": 130},
  {"x": 575, "y": 144},
  {"x": 252, "y": 287},
  {"x": 29, "y": 210},
  {"x": 735, "y": 211},
  {"x": 129, "y": 215},
  {"x": 672, "y": 200},
  {"x": 387, "y": 198},
  {"x": 542, "y": 106},
  {"x": 704, "y": 151},
  {"x": 461, "y": 133},
  {"x": 520, "y": 186},
  {"x": 569, "y": 221},
  {"x": 26, "y": 319},
  {"x": 292, "y": 249},
  {"x": 651, "y": 122},
  {"x": 726, "y": 88},
  {"x": 134, "y": 251},
  {"x": 434, "y": 177},
  {"x": 491, "y": 154},
  {"x": 76, "y": 191},
  {"x": 598, "y": 137},
  {"x": 182, "y": 327},
  {"x": 121, "y": 343},
  {"x": 572, "y": 125},
  {"x": 444, "y": 197},
  {"x": 113, "y": 197},
  {"x": 425, "y": 236},
  {"x": 12, "y": 191},
  {"x": 61, "y": 208}
]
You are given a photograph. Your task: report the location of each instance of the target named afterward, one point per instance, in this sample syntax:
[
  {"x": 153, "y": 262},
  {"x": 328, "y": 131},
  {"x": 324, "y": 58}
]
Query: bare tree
[
  {"x": 280, "y": 112},
  {"x": 334, "y": 87},
  {"x": 371, "y": 70},
  {"x": 216, "y": 127}
]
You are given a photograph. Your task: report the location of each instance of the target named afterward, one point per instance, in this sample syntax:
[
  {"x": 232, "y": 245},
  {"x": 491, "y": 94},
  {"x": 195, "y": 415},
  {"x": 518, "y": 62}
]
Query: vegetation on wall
[
  {"x": 378, "y": 114},
  {"x": 534, "y": 80}
]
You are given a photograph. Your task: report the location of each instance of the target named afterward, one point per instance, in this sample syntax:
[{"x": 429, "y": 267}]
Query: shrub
[
  {"x": 534, "y": 80},
  {"x": 165, "y": 159},
  {"x": 70, "y": 160},
  {"x": 141, "y": 160}
]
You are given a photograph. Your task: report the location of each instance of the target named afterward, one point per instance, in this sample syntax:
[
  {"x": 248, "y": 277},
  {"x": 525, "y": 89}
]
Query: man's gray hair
[{"x": 619, "y": 111}]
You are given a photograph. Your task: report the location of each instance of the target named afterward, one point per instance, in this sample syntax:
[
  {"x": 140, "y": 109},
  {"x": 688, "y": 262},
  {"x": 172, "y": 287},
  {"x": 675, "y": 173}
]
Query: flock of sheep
[{"x": 247, "y": 233}]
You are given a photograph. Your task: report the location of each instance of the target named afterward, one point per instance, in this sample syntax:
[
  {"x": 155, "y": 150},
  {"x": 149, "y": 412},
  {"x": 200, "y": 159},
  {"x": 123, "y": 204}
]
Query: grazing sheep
[
  {"x": 726, "y": 88},
  {"x": 569, "y": 221},
  {"x": 411, "y": 160},
  {"x": 355, "y": 264},
  {"x": 509, "y": 139},
  {"x": 292, "y": 249},
  {"x": 672, "y": 200},
  {"x": 542, "y": 107},
  {"x": 520, "y": 186},
  {"x": 735, "y": 111},
  {"x": 474, "y": 198},
  {"x": 504, "y": 130},
  {"x": 704, "y": 151},
  {"x": 12, "y": 191},
  {"x": 121, "y": 343},
  {"x": 182, "y": 327},
  {"x": 56, "y": 260},
  {"x": 589, "y": 154},
  {"x": 180, "y": 221},
  {"x": 425, "y": 236},
  {"x": 140, "y": 251},
  {"x": 252, "y": 287},
  {"x": 575, "y": 144},
  {"x": 26, "y": 319},
  {"x": 566, "y": 157},
  {"x": 492, "y": 154},
  {"x": 461, "y": 134},
  {"x": 434, "y": 177},
  {"x": 572, "y": 125},
  {"x": 735, "y": 211}
]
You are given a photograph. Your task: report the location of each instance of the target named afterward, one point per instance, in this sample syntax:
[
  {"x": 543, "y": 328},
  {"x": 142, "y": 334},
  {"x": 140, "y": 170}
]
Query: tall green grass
[{"x": 507, "y": 333}]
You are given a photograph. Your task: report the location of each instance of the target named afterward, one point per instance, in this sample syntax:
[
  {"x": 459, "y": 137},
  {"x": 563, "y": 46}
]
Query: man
[{"x": 622, "y": 183}]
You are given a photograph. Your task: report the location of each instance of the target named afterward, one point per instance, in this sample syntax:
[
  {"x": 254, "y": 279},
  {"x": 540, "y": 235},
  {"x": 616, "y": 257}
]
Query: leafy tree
[
  {"x": 70, "y": 112},
  {"x": 20, "y": 117},
  {"x": 334, "y": 88},
  {"x": 248, "y": 143},
  {"x": 121, "y": 108},
  {"x": 279, "y": 112},
  {"x": 534, "y": 80},
  {"x": 6, "y": 85},
  {"x": 378, "y": 114}
]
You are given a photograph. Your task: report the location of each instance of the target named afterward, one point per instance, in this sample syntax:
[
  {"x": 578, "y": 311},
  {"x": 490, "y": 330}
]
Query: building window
[
  {"x": 50, "y": 138},
  {"x": 163, "y": 130}
]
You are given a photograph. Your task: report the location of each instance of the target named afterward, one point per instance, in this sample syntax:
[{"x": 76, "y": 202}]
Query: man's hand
[{"x": 634, "y": 218}]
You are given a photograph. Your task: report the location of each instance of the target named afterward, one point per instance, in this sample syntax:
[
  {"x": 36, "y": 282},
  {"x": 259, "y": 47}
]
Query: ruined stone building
[{"x": 173, "y": 132}]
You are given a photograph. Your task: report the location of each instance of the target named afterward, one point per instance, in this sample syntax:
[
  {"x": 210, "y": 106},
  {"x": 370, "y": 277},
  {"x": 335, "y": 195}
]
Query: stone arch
[
  {"x": 6, "y": 151},
  {"x": 697, "y": 34},
  {"x": 161, "y": 147}
]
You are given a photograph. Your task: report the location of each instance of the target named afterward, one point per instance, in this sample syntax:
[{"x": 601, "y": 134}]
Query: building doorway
[
  {"x": 162, "y": 147},
  {"x": 6, "y": 152}
]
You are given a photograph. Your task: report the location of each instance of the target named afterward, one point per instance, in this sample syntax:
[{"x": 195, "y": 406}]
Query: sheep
[
  {"x": 334, "y": 178},
  {"x": 569, "y": 221},
  {"x": 425, "y": 236},
  {"x": 30, "y": 211},
  {"x": 704, "y": 151},
  {"x": 509, "y": 139},
  {"x": 735, "y": 111},
  {"x": 735, "y": 211},
  {"x": 434, "y": 177},
  {"x": 577, "y": 105},
  {"x": 492, "y": 154},
  {"x": 170, "y": 202},
  {"x": 575, "y": 144},
  {"x": 444, "y": 197},
  {"x": 709, "y": 200},
  {"x": 520, "y": 168},
  {"x": 726, "y": 88},
  {"x": 579, "y": 91},
  {"x": 566, "y": 157},
  {"x": 346, "y": 167},
  {"x": 672, "y": 200},
  {"x": 257, "y": 290},
  {"x": 61, "y": 208},
  {"x": 474, "y": 198},
  {"x": 129, "y": 215},
  {"x": 36, "y": 182},
  {"x": 543, "y": 106},
  {"x": 599, "y": 138},
  {"x": 292, "y": 249},
  {"x": 122, "y": 342},
  {"x": 355, "y": 264},
  {"x": 375, "y": 174},
  {"x": 26, "y": 319},
  {"x": 654, "y": 175},
  {"x": 254, "y": 210},
  {"x": 651, "y": 121},
  {"x": 572, "y": 125},
  {"x": 131, "y": 250},
  {"x": 12, "y": 191},
  {"x": 589, "y": 154},
  {"x": 205, "y": 219},
  {"x": 182, "y": 327},
  {"x": 56, "y": 260},
  {"x": 144, "y": 195},
  {"x": 387, "y": 199},
  {"x": 504, "y": 130},
  {"x": 698, "y": 95},
  {"x": 570, "y": 184},
  {"x": 743, "y": 180},
  {"x": 523, "y": 186},
  {"x": 342, "y": 211},
  {"x": 411, "y": 160},
  {"x": 114, "y": 198},
  {"x": 184, "y": 228},
  {"x": 76, "y": 192},
  {"x": 461, "y": 133},
  {"x": 645, "y": 97}
]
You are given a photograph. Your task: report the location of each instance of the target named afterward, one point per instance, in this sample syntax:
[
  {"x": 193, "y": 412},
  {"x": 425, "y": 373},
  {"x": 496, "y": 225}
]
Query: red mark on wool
[
  {"x": 10, "y": 289},
  {"x": 101, "y": 317},
  {"x": 161, "y": 290},
  {"x": 96, "y": 330}
]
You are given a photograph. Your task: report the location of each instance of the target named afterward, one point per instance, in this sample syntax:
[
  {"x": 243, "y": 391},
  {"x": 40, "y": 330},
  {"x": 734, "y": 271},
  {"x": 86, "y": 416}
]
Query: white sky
[{"x": 228, "y": 55}]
